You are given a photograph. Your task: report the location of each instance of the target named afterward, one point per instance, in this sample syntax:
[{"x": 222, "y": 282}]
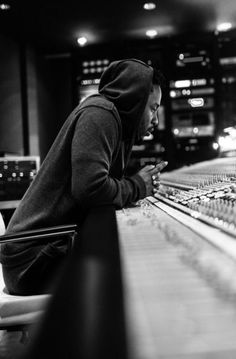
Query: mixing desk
[
  {"x": 178, "y": 255},
  {"x": 206, "y": 191}
]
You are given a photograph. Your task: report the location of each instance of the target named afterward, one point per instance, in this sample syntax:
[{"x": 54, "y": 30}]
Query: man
[{"x": 85, "y": 168}]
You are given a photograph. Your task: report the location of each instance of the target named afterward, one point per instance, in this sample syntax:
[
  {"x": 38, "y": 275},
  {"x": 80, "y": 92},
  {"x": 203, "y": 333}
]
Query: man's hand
[{"x": 151, "y": 176}]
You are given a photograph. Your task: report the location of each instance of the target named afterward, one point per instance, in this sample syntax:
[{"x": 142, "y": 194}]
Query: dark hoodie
[{"x": 85, "y": 165}]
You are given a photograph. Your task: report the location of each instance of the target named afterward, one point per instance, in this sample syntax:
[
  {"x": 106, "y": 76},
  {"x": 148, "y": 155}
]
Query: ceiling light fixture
[
  {"x": 151, "y": 33},
  {"x": 224, "y": 26},
  {"x": 82, "y": 40},
  {"x": 5, "y": 7},
  {"x": 149, "y": 6}
]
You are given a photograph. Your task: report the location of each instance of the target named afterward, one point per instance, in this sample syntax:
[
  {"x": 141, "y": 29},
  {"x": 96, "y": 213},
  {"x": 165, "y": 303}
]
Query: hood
[{"x": 127, "y": 83}]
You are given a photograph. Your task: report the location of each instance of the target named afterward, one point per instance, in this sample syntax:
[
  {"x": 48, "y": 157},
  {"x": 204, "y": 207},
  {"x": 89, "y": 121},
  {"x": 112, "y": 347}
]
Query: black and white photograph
[{"x": 118, "y": 179}]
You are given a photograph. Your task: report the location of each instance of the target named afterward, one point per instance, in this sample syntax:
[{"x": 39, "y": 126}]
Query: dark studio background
[{"x": 42, "y": 69}]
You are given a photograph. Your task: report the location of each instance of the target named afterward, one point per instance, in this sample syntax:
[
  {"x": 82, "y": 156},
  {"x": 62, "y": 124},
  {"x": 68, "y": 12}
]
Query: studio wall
[{"x": 11, "y": 129}]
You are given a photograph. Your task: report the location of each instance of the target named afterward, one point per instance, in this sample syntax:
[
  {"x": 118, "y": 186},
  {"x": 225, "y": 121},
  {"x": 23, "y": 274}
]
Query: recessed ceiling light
[
  {"x": 151, "y": 33},
  {"x": 4, "y": 6},
  {"x": 82, "y": 40},
  {"x": 149, "y": 5},
  {"x": 224, "y": 26}
]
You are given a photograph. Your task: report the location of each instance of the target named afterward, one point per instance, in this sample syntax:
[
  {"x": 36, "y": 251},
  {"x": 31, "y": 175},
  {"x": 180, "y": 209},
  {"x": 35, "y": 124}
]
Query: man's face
[{"x": 149, "y": 118}]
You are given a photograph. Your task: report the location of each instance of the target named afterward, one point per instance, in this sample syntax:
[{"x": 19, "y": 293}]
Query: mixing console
[
  {"x": 205, "y": 191},
  {"x": 178, "y": 256},
  {"x": 179, "y": 284}
]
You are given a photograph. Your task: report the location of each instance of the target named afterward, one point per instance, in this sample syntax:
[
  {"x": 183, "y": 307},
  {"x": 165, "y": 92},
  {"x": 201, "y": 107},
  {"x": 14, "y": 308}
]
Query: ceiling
[{"x": 54, "y": 25}]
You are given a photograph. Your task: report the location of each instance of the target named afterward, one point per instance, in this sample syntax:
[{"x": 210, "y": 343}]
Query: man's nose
[{"x": 155, "y": 119}]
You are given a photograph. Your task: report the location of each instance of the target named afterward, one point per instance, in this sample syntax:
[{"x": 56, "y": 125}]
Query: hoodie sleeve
[{"x": 95, "y": 142}]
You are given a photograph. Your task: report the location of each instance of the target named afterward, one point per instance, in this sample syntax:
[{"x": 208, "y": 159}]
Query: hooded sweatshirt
[{"x": 85, "y": 165}]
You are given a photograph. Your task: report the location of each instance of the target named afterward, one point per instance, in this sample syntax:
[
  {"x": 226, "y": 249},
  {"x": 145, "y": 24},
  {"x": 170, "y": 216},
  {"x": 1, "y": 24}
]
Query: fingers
[
  {"x": 156, "y": 168},
  {"x": 151, "y": 176},
  {"x": 149, "y": 168},
  {"x": 161, "y": 165},
  {"x": 156, "y": 183},
  {"x": 156, "y": 175}
]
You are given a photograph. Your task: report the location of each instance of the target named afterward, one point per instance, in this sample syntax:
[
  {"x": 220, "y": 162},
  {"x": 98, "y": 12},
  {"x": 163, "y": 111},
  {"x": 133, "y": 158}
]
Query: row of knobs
[
  {"x": 216, "y": 200},
  {"x": 192, "y": 181}
]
